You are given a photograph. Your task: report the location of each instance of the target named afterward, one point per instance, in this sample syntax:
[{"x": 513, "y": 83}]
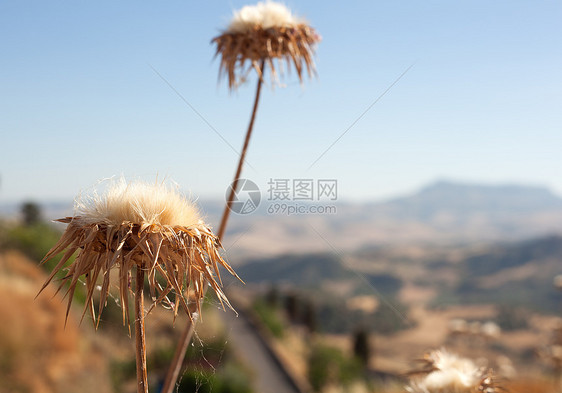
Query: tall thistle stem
[
  {"x": 179, "y": 355},
  {"x": 142, "y": 379},
  {"x": 226, "y": 212}
]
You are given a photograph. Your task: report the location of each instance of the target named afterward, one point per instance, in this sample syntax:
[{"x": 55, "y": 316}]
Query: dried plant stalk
[
  {"x": 140, "y": 339},
  {"x": 234, "y": 185}
]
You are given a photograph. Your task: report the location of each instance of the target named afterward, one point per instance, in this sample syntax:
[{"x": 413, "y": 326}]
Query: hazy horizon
[{"x": 380, "y": 199}]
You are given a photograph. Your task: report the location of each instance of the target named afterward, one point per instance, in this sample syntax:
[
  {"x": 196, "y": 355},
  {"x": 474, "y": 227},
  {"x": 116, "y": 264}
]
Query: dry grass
[
  {"x": 37, "y": 354},
  {"x": 531, "y": 386}
]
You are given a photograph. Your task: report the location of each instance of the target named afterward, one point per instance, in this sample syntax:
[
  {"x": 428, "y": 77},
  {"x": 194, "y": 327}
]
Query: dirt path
[{"x": 269, "y": 375}]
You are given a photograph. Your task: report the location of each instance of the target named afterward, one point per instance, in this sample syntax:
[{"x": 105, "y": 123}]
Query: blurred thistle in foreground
[
  {"x": 444, "y": 372},
  {"x": 266, "y": 32},
  {"x": 151, "y": 228}
]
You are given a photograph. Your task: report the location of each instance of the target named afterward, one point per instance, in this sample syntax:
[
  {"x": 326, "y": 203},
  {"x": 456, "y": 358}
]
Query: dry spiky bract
[
  {"x": 444, "y": 372},
  {"x": 265, "y": 32},
  {"x": 143, "y": 226}
]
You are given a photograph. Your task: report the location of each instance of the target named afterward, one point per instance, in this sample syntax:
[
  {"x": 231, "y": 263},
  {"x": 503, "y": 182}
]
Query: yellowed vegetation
[{"x": 37, "y": 353}]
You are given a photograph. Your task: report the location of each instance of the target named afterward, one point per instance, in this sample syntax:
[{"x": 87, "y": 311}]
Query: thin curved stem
[
  {"x": 179, "y": 355},
  {"x": 234, "y": 186},
  {"x": 140, "y": 340}
]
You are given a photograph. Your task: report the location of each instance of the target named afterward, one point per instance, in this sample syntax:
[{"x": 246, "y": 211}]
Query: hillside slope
[{"x": 37, "y": 352}]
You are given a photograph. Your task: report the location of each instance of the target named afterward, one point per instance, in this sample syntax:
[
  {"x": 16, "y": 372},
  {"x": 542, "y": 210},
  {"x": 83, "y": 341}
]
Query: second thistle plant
[
  {"x": 268, "y": 33},
  {"x": 257, "y": 36}
]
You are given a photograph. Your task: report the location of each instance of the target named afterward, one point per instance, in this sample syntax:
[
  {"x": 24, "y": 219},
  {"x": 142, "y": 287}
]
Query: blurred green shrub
[
  {"x": 35, "y": 241},
  {"x": 31, "y": 213},
  {"x": 270, "y": 317},
  {"x": 232, "y": 378},
  {"x": 213, "y": 368},
  {"x": 328, "y": 365}
]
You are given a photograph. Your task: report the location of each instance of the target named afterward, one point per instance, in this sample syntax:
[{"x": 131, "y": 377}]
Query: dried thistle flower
[
  {"x": 148, "y": 226},
  {"x": 444, "y": 372},
  {"x": 263, "y": 33}
]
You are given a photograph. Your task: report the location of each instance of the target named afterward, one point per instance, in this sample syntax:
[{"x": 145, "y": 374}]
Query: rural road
[{"x": 269, "y": 376}]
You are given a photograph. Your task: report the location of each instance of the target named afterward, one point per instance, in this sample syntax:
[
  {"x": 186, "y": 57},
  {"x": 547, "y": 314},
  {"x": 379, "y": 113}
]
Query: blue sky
[{"x": 80, "y": 99}]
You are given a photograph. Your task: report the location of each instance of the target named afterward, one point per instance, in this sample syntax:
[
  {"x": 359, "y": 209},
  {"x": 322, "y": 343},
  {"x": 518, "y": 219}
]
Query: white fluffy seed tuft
[
  {"x": 139, "y": 203},
  {"x": 451, "y": 374},
  {"x": 264, "y": 15}
]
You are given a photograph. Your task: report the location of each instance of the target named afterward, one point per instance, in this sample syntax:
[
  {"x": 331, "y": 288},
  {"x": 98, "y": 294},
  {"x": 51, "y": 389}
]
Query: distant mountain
[
  {"x": 470, "y": 212},
  {"x": 466, "y": 199},
  {"x": 441, "y": 213}
]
